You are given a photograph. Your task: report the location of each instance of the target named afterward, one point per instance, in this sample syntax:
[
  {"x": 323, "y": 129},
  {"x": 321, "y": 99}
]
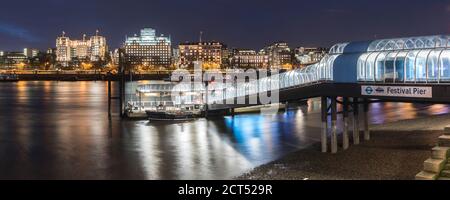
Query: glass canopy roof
[
  {"x": 406, "y": 60},
  {"x": 426, "y": 42}
]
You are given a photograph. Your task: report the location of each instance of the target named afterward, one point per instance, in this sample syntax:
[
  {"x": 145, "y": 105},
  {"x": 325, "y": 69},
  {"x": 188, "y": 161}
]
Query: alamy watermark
[{"x": 232, "y": 87}]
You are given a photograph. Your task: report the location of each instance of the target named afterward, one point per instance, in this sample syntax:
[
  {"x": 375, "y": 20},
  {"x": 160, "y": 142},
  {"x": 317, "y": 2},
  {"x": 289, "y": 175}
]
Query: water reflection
[{"x": 60, "y": 130}]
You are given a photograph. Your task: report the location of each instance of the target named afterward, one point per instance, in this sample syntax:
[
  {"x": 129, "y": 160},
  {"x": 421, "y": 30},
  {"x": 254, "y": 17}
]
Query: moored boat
[
  {"x": 170, "y": 116},
  {"x": 9, "y": 78},
  {"x": 168, "y": 101}
]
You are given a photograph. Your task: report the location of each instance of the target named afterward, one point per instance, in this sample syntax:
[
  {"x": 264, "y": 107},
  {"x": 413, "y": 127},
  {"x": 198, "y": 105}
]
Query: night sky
[{"x": 238, "y": 23}]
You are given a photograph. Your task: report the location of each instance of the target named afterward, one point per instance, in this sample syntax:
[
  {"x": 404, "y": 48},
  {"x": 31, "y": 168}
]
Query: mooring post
[
  {"x": 355, "y": 121},
  {"x": 345, "y": 140},
  {"x": 334, "y": 142},
  {"x": 366, "y": 120},
  {"x": 121, "y": 83},
  {"x": 206, "y": 99},
  {"x": 324, "y": 113},
  {"x": 286, "y": 107},
  {"x": 109, "y": 95}
]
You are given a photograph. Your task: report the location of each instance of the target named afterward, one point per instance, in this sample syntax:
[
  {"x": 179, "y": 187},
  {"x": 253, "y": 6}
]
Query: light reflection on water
[{"x": 60, "y": 130}]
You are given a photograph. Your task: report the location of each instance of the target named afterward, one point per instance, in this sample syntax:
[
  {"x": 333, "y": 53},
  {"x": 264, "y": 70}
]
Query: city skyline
[
  {"x": 238, "y": 90},
  {"x": 299, "y": 23}
]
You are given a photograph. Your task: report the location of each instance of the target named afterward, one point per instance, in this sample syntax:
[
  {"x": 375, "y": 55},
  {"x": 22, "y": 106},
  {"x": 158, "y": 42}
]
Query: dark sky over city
[{"x": 238, "y": 23}]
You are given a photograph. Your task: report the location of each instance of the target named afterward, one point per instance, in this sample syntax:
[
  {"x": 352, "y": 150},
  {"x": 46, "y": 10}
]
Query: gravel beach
[{"x": 395, "y": 152}]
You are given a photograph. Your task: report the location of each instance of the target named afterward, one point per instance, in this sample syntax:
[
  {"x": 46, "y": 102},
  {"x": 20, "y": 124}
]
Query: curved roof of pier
[{"x": 406, "y": 43}]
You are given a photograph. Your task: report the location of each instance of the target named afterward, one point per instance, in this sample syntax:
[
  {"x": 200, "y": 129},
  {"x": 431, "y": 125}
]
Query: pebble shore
[{"x": 395, "y": 152}]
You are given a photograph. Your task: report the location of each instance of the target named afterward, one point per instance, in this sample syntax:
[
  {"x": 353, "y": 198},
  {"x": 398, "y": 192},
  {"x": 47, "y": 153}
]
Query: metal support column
[
  {"x": 324, "y": 124},
  {"x": 334, "y": 142},
  {"x": 345, "y": 139},
  {"x": 366, "y": 120},
  {"x": 355, "y": 121}
]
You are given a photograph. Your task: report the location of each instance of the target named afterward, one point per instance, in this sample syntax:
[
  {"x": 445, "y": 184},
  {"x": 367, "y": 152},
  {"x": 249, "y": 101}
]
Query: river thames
[{"x": 61, "y": 130}]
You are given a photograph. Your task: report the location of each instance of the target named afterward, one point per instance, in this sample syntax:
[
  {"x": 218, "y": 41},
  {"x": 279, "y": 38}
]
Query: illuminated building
[
  {"x": 30, "y": 53},
  {"x": 13, "y": 59},
  {"x": 16, "y": 57},
  {"x": 2, "y": 53},
  {"x": 92, "y": 49},
  {"x": 98, "y": 47},
  {"x": 115, "y": 57},
  {"x": 80, "y": 49},
  {"x": 306, "y": 56},
  {"x": 176, "y": 57},
  {"x": 243, "y": 58},
  {"x": 280, "y": 55},
  {"x": 63, "y": 49},
  {"x": 209, "y": 53},
  {"x": 226, "y": 57},
  {"x": 148, "y": 50},
  {"x": 51, "y": 51}
]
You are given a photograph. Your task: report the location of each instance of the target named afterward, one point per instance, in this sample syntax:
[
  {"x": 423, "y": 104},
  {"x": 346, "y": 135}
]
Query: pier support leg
[
  {"x": 109, "y": 97},
  {"x": 355, "y": 121},
  {"x": 232, "y": 112},
  {"x": 366, "y": 120},
  {"x": 286, "y": 107},
  {"x": 324, "y": 136},
  {"x": 334, "y": 142},
  {"x": 345, "y": 139}
]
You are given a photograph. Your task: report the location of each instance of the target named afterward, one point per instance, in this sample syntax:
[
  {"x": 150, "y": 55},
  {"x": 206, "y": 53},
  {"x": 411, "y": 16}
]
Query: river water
[{"x": 61, "y": 130}]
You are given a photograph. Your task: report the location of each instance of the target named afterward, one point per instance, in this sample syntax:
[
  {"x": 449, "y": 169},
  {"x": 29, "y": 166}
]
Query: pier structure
[
  {"x": 349, "y": 78},
  {"x": 352, "y": 76}
]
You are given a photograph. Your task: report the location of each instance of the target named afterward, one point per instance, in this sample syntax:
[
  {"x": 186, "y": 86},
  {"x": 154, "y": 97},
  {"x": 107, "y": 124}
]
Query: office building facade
[{"x": 148, "y": 50}]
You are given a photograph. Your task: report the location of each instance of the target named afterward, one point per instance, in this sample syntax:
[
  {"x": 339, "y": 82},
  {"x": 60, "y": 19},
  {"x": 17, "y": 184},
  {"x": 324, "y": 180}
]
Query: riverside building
[
  {"x": 92, "y": 49},
  {"x": 280, "y": 55},
  {"x": 148, "y": 50},
  {"x": 209, "y": 53},
  {"x": 244, "y": 59}
]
